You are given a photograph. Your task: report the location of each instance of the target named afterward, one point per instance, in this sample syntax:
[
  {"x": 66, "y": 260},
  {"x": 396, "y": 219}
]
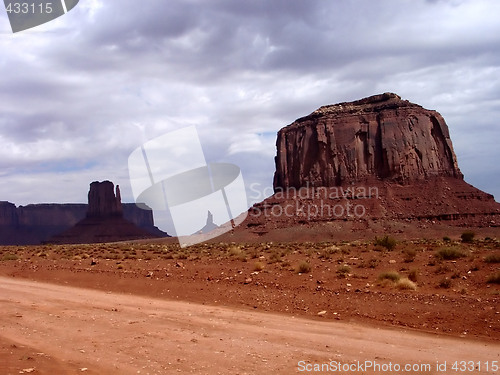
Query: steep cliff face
[
  {"x": 104, "y": 221},
  {"x": 380, "y": 137},
  {"x": 8, "y": 214},
  {"x": 102, "y": 200},
  {"x": 368, "y": 165},
  {"x": 37, "y": 223}
]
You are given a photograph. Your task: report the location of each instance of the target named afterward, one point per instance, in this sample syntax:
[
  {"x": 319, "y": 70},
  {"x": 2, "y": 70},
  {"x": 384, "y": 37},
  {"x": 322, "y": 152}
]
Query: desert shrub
[
  {"x": 409, "y": 255},
  {"x": 389, "y": 275},
  {"x": 235, "y": 251},
  {"x": 258, "y": 266},
  {"x": 343, "y": 270},
  {"x": 442, "y": 268},
  {"x": 413, "y": 275},
  {"x": 387, "y": 241},
  {"x": 492, "y": 258},
  {"x": 303, "y": 267},
  {"x": 275, "y": 256},
  {"x": 10, "y": 257},
  {"x": 494, "y": 279},
  {"x": 446, "y": 239},
  {"x": 450, "y": 253},
  {"x": 406, "y": 284},
  {"x": 285, "y": 264},
  {"x": 468, "y": 236},
  {"x": 445, "y": 283},
  {"x": 181, "y": 256}
]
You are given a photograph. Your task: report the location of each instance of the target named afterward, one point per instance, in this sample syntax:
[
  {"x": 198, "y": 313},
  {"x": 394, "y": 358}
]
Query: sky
[{"x": 79, "y": 94}]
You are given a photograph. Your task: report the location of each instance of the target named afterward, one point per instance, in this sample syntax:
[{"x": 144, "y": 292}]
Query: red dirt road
[{"x": 59, "y": 329}]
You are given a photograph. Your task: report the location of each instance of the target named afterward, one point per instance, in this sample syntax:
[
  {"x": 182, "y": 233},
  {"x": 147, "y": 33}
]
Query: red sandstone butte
[
  {"x": 382, "y": 137},
  {"x": 373, "y": 165},
  {"x": 104, "y": 221}
]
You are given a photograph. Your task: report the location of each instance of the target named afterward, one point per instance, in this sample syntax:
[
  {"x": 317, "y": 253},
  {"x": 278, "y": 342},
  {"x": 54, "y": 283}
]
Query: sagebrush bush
[
  {"x": 389, "y": 275},
  {"x": 492, "y": 258},
  {"x": 445, "y": 283},
  {"x": 343, "y": 270},
  {"x": 494, "y": 279},
  {"x": 413, "y": 275},
  {"x": 406, "y": 284},
  {"x": 387, "y": 241},
  {"x": 409, "y": 255},
  {"x": 468, "y": 236},
  {"x": 450, "y": 253},
  {"x": 303, "y": 267},
  {"x": 10, "y": 257},
  {"x": 258, "y": 266}
]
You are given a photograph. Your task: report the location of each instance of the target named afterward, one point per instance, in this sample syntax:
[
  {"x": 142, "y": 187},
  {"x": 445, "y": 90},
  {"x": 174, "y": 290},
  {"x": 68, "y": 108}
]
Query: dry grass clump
[
  {"x": 445, "y": 283},
  {"x": 258, "y": 266},
  {"x": 387, "y": 241},
  {"x": 492, "y": 258},
  {"x": 303, "y": 267},
  {"x": 389, "y": 275},
  {"x": 10, "y": 257},
  {"x": 413, "y": 275},
  {"x": 450, "y": 253},
  {"x": 406, "y": 284},
  {"x": 343, "y": 271},
  {"x": 494, "y": 279},
  {"x": 409, "y": 255}
]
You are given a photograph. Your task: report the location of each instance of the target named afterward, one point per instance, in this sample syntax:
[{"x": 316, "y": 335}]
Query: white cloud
[{"x": 79, "y": 95}]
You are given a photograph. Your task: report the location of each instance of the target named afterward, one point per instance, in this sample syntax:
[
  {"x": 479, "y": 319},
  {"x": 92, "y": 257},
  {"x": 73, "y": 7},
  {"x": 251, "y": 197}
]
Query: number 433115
[{"x": 26, "y": 8}]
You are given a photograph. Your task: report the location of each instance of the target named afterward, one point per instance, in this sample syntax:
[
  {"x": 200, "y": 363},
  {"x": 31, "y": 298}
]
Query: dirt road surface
[{"x": 53, "y": 329}]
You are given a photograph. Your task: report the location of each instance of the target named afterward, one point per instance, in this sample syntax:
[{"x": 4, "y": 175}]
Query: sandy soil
[
  {"x": 61, "y": 329},
  {"x": 248, "y": 308}
]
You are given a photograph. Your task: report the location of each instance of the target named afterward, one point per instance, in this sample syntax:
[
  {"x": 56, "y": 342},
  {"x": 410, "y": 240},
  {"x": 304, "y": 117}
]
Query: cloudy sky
[{"x": 79, "y": 94}]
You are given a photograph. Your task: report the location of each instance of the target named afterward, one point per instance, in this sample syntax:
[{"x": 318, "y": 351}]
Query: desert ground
[{"x": 151, "y": 307}]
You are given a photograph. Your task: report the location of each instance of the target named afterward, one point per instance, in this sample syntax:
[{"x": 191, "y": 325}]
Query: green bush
[{"x": 387, "y": 241}]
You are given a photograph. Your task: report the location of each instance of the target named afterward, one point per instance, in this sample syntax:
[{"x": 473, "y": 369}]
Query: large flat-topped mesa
[{"x": 380, "y": 137}]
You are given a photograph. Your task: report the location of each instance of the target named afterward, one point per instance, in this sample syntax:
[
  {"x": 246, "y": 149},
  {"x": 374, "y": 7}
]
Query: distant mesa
[
  {"x": 104, "y": 221},
  {"x": 38, "y": 223}
]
